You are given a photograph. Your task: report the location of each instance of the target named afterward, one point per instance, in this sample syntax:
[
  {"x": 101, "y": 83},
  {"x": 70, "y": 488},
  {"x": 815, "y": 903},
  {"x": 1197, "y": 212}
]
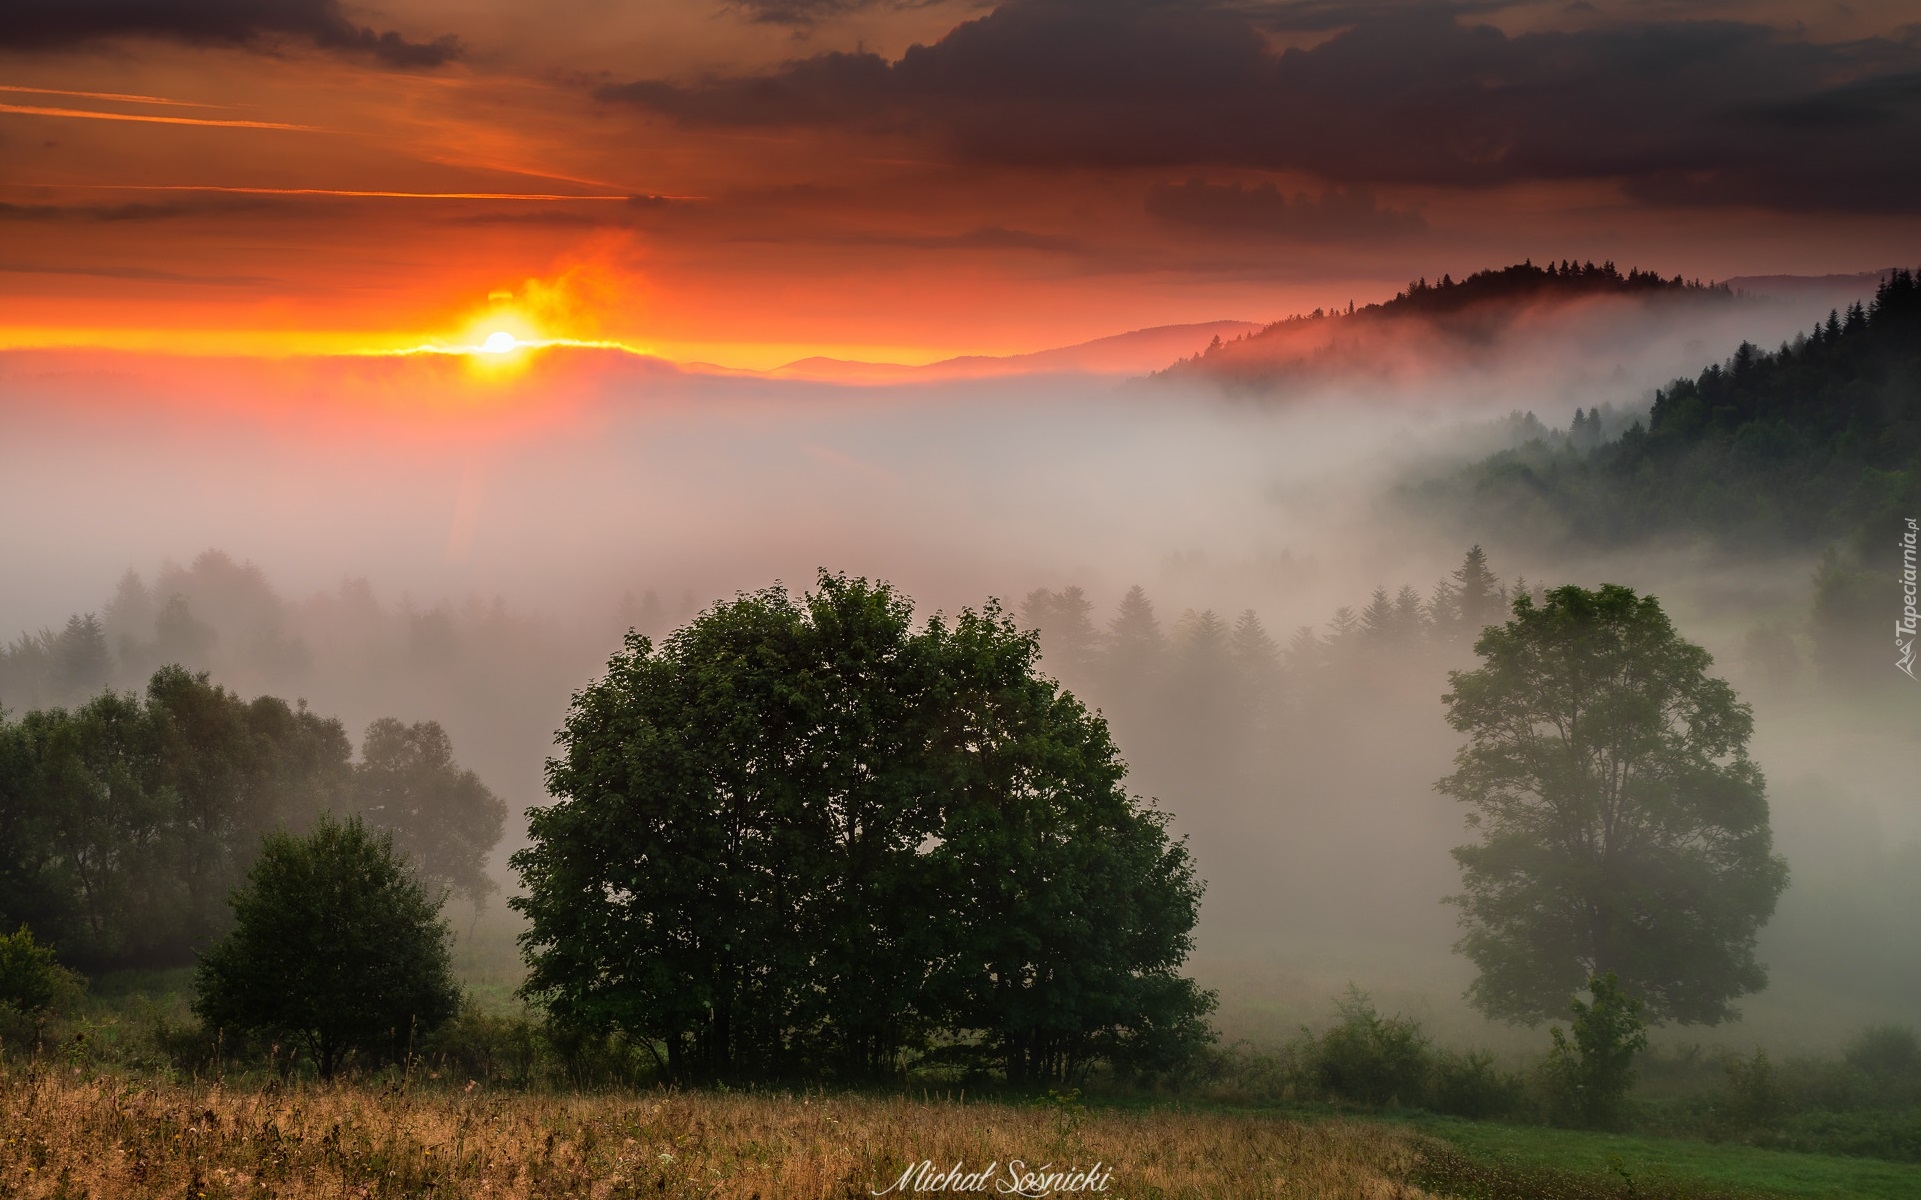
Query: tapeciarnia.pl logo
[{"x": 1904, "y": 629}]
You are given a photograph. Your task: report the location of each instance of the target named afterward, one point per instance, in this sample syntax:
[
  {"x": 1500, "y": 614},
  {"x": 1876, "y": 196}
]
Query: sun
[{"x": 499, "y": 342}]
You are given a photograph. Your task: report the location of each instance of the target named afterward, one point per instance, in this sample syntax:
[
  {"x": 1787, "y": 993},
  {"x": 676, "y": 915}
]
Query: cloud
[
  {"x": 139, "y": 274},
  {"x": 64, "y": 24},
  {"x": 803, "y": 13},
  {"x": 121, "y": 212},
  {"x": 1680, "y": 111},
  {"x": 1263, "y": 211}
]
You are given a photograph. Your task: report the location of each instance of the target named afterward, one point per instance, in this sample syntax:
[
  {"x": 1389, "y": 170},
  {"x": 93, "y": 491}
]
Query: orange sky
[{"x": 735, "y": 184}]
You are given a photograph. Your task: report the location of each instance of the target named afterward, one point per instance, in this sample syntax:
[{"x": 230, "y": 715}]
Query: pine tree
[
  {"x": 1135, "y": 645},
  {"x": 1477, "y": 597},
  {"x": 82, "y": 662},
  {"x": 1410, "y": 623},
  {"x": 1306, "y": 653},
  {"x": 1377, "y": 619}
]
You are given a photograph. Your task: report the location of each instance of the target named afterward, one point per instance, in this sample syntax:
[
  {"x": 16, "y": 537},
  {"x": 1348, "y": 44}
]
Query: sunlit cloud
[
  {"x": 356, "y": 193},
  {"x": 122, "y": 97},
  {"x": 87, "y": 114}
]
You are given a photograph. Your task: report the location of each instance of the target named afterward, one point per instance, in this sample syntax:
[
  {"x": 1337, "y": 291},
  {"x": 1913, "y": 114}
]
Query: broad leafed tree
[{"x": 1623, "y": 828}]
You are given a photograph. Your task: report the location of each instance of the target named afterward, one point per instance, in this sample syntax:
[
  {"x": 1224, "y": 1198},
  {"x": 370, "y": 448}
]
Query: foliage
[
  {"x": 1468, "y": 1084},
  {"x": 125, "y": 822},
  {"x": 1624, "y": 830},
  {"x": 336, "y": 944},
  {"x": 1371, "y": 1059},
  {"x": 444, "y": 819},
  {"x": 31, "y": 980},
  {"x": 1886, "y": 1052},
  {"x": 1754, "y": 1096},
  {"x": 803, "y": 835},
  {"x": 1590, "y": 1074}
]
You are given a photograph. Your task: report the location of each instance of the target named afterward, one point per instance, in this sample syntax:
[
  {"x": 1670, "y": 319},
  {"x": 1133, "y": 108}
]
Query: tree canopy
[
  {"x": 804, "y": 834},
  {"x": 1623, "y": 828},
  {"x": 336, "y": 943}
]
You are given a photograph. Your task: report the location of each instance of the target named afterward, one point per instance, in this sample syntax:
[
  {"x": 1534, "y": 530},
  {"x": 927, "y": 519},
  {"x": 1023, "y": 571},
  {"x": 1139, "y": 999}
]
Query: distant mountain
[
  {"x": 1122, "y": 354},
  {"x": 1450, "y": 323}
]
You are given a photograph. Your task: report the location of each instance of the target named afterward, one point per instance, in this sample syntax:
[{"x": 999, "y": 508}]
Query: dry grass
[{"x": 67, "y": 1136}]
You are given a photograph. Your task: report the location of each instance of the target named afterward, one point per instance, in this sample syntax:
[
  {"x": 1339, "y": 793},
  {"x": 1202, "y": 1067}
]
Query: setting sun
[{"x": 499, "y": 342}]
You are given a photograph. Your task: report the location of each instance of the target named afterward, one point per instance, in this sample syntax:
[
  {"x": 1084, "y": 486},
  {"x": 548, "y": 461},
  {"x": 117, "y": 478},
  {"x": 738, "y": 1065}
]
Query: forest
[{"x": 1815, "y": 442}]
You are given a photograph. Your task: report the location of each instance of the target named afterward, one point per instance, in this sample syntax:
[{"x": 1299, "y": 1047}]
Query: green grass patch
[{"x": 1671, "y": 1166}]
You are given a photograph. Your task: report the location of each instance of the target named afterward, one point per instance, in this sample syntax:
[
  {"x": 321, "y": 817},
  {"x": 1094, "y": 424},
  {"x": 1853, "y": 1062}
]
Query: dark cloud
[
  {"x": 126, "y": 212},
  {"x": 1264, "y": 211},
  {"x": 138, "y": 274},
  {"x": 803, "y": 13},
  {"x": 1680, "y": 111},
  {"x": 62, "y": 24}
]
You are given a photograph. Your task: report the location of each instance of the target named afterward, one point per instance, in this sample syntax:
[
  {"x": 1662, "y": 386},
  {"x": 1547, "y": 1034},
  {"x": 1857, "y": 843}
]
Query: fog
[{"x": 437, "y": 537}]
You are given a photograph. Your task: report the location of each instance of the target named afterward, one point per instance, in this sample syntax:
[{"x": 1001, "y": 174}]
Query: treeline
[
  {"x": 1210, "y": 680},
  {"x": 492, "y": 677},
  {"x": 127, "y": 820},
  {"x": 1525, "y": 281},
  {"x": 1817, "y": 441}
]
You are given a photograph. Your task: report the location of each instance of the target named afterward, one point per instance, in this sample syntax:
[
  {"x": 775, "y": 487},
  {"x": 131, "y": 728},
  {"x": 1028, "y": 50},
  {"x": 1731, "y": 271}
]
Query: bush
[
  {"x": 485, "y": 1047},
  {"x": 1754, "y": 1098},
  {"x": 1886, "y": 1053},
  {"x": 31, "y": 981},
  {"x": 1588, "y": 1075},
  {"x": 1371, "y": 1059},
  {"x": 1469, "y": 1085},
  {"x": 336, "y": 947}
]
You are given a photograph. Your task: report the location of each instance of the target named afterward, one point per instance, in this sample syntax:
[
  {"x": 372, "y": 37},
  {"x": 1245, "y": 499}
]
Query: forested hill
[
  {"x": 1452, "y": 322},
  {"x": 1815, "y": 442}
]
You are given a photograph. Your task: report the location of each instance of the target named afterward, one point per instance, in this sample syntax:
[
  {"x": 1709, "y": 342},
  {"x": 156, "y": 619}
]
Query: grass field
[
  {"x": 89, "y": 1120},
  {"x": 1647, "y": 1164},
  {"x": 65, "y": 1136}
]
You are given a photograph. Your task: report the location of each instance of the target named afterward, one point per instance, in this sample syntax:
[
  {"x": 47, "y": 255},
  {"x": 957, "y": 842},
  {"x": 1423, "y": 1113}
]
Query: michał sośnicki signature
[{"x": 1016, "y": 1179}]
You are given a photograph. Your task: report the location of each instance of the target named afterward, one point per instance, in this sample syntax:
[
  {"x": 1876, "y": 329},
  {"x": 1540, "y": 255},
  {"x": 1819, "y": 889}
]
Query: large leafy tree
[
  {"x": 336, "y": 943},
  {"x": 1068, "y": 910},
  {"x": 804, "y": 834},
  {"x": 1623, "y": 829}
]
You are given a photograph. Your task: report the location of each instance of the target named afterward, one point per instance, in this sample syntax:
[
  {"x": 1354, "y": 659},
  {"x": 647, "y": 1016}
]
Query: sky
[{"x": 754, "y": 182}]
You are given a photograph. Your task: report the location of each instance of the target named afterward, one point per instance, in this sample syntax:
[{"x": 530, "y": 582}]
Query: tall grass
[{"x": 67, "y": 1134}]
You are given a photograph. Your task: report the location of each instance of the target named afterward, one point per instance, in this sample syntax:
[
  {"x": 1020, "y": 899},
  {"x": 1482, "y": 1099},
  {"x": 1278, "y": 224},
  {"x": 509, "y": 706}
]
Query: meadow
[
  {"x": 125, "y": 1096},
  {"x": 68, "y": 1135}
]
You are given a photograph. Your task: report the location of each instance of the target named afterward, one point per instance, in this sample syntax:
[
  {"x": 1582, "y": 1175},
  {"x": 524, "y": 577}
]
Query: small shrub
[
  {"x": 1588, "y": 1075},
  {"x": 485, "y": 1047},
  {"x": 1371, "y": 1059},
  {"x": 1469, "y": 1085},
  {"x": 1754, "y": 1098},
  {"x": 31, "y": 981},
  {"x": 1886, "y": 1053}
]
